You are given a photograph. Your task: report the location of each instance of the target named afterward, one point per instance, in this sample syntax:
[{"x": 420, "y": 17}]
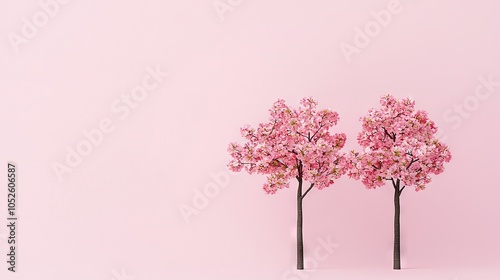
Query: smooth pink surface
[{"x": 118, "y": 210}]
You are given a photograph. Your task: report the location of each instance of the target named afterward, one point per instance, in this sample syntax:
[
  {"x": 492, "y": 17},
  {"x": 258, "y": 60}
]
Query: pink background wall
[{"x": 117, "y": 213}]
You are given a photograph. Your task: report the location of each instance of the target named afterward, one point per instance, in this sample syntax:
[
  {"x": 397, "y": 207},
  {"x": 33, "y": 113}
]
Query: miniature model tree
[
  {"x": 294, "y": 144},
  {"x": 400, "y": 147}
]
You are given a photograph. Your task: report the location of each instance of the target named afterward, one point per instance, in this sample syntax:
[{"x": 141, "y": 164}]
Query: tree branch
[
  {"x": 279, "y": 161},
  {"x": 320, "y": 127},
  {"x": 412, "y": 161},
  {"x": 393, "y": 136},
  {"x": 320, "y": 165},
  {"x": 299, "y": 168},
  {"x": 272, "y": 129},
  {"x": 302, "y": 135},
  {"x": 304, "y": 195}
]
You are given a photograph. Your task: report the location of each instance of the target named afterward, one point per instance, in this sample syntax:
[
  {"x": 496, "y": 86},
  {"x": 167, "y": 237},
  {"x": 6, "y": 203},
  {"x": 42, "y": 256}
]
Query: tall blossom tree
[
  {"x": 294, "y": 144},
  {"x": 399, "y": 146}
]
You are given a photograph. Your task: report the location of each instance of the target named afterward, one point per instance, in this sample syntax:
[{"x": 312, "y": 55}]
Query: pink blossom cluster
[
  {"x": 399, "y": 143},
  {"x": 295, "y": 143}
]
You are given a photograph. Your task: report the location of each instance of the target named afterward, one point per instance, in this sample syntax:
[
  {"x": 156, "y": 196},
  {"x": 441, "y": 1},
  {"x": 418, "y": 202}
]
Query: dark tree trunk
[
  {"x": 397, "y": 243},
  {"x": 300, "y": 241}
]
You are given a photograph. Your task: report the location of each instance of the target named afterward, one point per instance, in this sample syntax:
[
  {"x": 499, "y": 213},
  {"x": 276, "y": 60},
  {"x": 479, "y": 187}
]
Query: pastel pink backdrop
[{"x": 118, "y": 211}]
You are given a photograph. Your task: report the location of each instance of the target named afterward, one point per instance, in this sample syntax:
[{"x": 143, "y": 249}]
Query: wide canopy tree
[
  {"x": 399, "y": 146},
  {"x": 294, "y": 144}
]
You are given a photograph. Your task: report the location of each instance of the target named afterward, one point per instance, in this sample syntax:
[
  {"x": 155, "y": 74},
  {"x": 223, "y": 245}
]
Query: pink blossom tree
[
  {"x": 399, "y": 146},
  {"x": 295, "y": 143}
]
